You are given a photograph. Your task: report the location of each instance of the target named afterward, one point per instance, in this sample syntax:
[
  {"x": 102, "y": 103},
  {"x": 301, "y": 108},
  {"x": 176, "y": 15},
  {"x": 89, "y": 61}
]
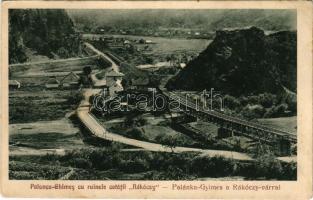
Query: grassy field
[
  {"x": 35, "y": 69},
  {"x": 58, "y": 134},
  {"x": 39, "y": 105},
  {"x": 283, "y": 123},
  {"x": 209, "y": 129}
]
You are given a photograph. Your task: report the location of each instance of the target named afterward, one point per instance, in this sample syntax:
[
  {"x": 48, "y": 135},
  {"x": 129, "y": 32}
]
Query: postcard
[{"x": 156, "y": 99}]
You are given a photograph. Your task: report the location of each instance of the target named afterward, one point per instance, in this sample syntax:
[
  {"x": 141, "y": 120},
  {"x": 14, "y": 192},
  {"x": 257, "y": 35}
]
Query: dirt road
[{"x": 98, "y": 130}]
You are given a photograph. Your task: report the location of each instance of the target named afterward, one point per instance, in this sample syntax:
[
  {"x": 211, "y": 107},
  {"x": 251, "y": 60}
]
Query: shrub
[
  {"x": 167, "y": 140},
  {"x": 253, "y": 99},
  {"x": 276, "y": 111},
  {"x": 253, "y": 112},
  {"x": 81, "y": 163},
  {"x": 268, "y": 166},
  {"x": 75, "y": 98},
  {"x": 231, "y": 102},
  {"x": 213, "y": 167},
  {"x": 267, "y": 100},
  {"x": 136, "y": 134}
]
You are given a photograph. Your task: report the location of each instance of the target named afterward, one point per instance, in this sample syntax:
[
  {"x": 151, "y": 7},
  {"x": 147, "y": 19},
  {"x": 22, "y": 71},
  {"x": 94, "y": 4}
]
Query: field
[
  {"x": 41, "y": 69},
  {"x": 39, "y": 118},
  {"x": 166, "y": 45},
  {"x": 288, "y": 124},
  {"x": 39, "y": 105},
  {"x": 39, "y": 138}
]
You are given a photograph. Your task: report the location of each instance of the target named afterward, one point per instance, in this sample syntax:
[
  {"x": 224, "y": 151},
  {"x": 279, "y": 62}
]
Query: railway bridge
[{"x": 230, "y": 126}]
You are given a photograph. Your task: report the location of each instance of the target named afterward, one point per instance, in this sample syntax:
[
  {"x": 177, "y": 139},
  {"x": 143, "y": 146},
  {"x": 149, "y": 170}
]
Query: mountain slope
[
  {"x": 205, "y": 20},
  {"x": 48, "y": 32},
  {"x": 242, "y": 61}
]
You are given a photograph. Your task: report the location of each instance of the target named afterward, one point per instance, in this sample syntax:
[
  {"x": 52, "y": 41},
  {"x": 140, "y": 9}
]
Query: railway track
[{"x": 220, "y": 116}]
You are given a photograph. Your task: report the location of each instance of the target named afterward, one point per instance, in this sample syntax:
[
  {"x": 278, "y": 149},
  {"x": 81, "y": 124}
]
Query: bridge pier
[
  {"x": 224, "y": 133},
  {"x": 283, "y": 147}
]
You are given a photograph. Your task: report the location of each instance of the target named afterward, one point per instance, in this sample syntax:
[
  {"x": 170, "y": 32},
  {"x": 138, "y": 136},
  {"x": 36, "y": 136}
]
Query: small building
[
  {"x": 143, "y": 41},
  {"x": 141, "y": 84},
  {"x": 182, "y": 65},
  {"x": 127, "y": 42},
  {"x": 114, "y": 81},
  {"x": 14, "y": 84},
  {"x": 149, "y": 42},
  {"x": 112, "y": 76},
  {"x": 52, "y": 83},
  {"x": 71, "y": 80}
]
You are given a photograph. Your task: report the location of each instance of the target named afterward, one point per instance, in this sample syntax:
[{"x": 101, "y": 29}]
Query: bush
[
  {"x": 75, "y": 98},
  {"x": 276, "y": 111},
  {"x": 136, "y": 134},
  {"x": 268, "y": 166},
  {"x": 167, "y": 140},
  {"x": 134, "y": 166},
  {"x": 253, "y": 112},
  {"x": 267, "y": 100},
  {"x": 212, "y": 167},
  {"x": 81, "y": 163},
  {"x": 231, "y": 102}
]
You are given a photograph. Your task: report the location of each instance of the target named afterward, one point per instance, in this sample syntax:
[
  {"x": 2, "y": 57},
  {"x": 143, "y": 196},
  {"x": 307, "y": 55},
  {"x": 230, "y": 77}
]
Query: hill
[
  {"x": 48, "y": 32},
  {"x": 244, "y": 61},
  {"x": 200, "y": 20}
]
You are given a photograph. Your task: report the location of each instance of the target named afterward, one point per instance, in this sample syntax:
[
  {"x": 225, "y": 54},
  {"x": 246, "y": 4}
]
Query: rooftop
[{"x": 113, "y": 73}]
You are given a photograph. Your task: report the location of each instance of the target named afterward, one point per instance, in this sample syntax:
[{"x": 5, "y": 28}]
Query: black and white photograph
[{"x": 152, "y": 94}]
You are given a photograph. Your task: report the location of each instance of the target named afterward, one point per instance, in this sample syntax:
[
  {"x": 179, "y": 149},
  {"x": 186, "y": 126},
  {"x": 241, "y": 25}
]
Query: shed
[
  {"x": 70, "y": 80},
  {"x": 14, "y": 84},
  {"x": 52, "y": 83}
]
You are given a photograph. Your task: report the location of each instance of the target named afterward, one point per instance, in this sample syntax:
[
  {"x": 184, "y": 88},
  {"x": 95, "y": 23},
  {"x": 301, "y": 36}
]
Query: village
[{"x": 107, "y": 98}]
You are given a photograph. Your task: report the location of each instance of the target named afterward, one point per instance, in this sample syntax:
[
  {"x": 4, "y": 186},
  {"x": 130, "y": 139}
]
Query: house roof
[
  {"x": 14, "y": 82},
  {"x": 70, "y": 77},
  {"x": 52, "y": 80},
  {"x": 113, "y": 73},
  {"x": 140, "y": 81}
]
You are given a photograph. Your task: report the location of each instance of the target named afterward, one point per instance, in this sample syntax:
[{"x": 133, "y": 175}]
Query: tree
[
  {"x": 136, "y": 133},
  {"x": 87, "y": 70},
  {"x": 168, "y": 140}
]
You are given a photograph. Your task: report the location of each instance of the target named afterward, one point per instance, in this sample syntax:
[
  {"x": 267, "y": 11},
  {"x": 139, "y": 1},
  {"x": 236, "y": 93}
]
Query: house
[
  {"x": 127, "y": 42},
  {"x": 182, "y": 65},
  {"x": 143, "y": 41},
  {"x": 149, "y": 42},
  {"x": 14, "y": 84},
  {"x": 141, "y": 84},
  {"x": 71, "y": 80},
  {"x": 52, "y": 83},
  {"x": 114, "y": 81}
]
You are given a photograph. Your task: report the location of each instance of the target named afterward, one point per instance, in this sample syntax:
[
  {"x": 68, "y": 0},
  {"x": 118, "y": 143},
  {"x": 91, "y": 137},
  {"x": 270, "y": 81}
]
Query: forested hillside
[
  {"x": 244, "y": 61},
  {"x": 201, "y": 20},
  {"x": 47, "y": 32}
]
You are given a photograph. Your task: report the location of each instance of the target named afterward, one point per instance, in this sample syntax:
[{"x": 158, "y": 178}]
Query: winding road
[
  {"x": 91, "y": 123},
  {"x": 98, "y": 130}
]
